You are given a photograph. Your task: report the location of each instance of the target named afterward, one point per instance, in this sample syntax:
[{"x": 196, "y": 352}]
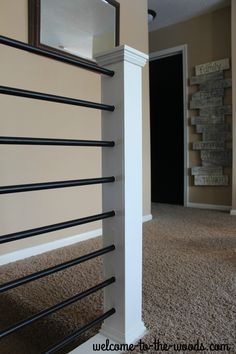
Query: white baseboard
[
  {"x": 209, "y": 206},
  {"x": 147, "y": 217},
  {"x": 48, "y": 246},
  {"x": 53, "y": 245},
  {"x": 233, "y": 212}
]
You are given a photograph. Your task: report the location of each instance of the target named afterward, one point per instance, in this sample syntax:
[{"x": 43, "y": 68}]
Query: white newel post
[{"x": 124, "y": 161}]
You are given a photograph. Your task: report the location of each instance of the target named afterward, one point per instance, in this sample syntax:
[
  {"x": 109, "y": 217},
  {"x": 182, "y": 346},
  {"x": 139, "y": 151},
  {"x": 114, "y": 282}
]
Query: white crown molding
[{"x": 122, "y": 53}]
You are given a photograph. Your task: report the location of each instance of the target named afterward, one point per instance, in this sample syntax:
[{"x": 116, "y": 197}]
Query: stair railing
[{"x": 122, "y": 193}]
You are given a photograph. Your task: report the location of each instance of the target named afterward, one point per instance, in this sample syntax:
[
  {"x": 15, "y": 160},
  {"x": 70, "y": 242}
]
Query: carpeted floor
[{"x": 189, "y": 285}]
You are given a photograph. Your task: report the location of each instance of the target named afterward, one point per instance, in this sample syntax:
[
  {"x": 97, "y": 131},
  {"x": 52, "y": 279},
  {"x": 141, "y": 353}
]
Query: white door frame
[{"x": 182, "y": 49}]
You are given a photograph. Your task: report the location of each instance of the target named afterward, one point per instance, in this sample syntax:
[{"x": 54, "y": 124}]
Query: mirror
[{"x": 81, "y": 28}]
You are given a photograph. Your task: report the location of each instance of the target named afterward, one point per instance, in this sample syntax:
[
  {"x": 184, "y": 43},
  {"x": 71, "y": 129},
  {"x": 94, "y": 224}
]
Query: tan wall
[
  {"x": 234, "y": 98},
  {"x": 22, "y": 117},
  {"x": 208, "y": 38}
]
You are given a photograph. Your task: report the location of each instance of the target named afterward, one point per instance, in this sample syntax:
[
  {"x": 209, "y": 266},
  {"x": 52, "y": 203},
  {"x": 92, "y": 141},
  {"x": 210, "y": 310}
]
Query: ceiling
[{"x": 170, "y": 12}]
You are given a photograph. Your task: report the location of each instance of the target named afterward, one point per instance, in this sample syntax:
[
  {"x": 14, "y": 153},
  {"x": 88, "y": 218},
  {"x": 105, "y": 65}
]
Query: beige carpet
[{"x": 189, "y": 288}]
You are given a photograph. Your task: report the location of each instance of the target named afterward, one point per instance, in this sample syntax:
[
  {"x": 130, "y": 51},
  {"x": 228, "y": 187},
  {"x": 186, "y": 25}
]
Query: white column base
[
  {"x": 102, "y": 344},
  {"x": 147, "y": 217},
  {"x": 233, "y": 212},
  {"x": 137, "y": 332}
]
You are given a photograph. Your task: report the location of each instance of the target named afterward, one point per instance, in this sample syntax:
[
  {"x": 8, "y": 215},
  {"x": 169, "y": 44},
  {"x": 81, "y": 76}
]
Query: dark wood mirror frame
[{"x": 34, "y": 28}]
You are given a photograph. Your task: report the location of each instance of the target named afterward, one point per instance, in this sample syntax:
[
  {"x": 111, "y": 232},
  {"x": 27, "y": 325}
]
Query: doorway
[{"x": 168, "y": 145}]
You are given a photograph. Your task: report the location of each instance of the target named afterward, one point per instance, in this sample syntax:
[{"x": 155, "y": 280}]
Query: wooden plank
[
  {"x": 216, "y": 84},
  {"x": 205, "y": 171},
  {"x": 209, "y": 145},
  {"x": 207, "y": 120},
  {"x": 213, "y": 128},
  {"x": 211, "y": 67},
  {"x": 217, "y": 136},
  {"x": 211, "y": 180},
  {"x": 196, "y": 80},
  {"x": 203, "y": 103},
  {"x": 216, "y": 155},
  {"x": 206, "y": 163},
  {"x": 222, "y": 158},
  {"x": 209, "y": 111},
  {"x": 203, "y": 95}
]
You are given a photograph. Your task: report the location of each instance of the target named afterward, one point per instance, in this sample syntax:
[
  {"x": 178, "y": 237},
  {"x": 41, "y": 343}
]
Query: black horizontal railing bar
[
  {"x": 52, "y": 55},
  {"x": 80, "y": 331},
  {"x": 55, "y": 308},
  {"x": 54, "y": 227},
  {"x": 53, "y": 185},
  {"x": 57, "y": 268},
  {"x": 13, "y": 140},
  {"x": 6, "y": 90}
]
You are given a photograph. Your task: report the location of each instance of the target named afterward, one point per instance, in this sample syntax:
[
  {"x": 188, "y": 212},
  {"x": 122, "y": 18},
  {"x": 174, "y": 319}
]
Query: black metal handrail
[
  {"x": 55, "y": 308},
  {"x": 80, "y": 331},
  {"x": 52, "y": 55},
  {"x": 53, "y": 185},
  {"x": 12, "y": 91},
  {"x": 14, "y": 140},
  {"x": 59, "y": 267},
  {"x": 54, "y": 227}
]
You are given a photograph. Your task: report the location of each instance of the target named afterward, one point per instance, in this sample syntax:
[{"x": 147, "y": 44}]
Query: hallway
[{"x": 189, "y": 277}]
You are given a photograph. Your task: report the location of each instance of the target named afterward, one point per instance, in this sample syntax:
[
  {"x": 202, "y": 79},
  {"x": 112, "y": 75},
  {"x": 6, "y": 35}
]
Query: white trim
[
  {"x": 48, "y": 246},
  {"x": 122, "y": 53},
  {"x": 233, "y": 212},
  {"x": 209, "y": 206},
  {"x": 53, "y": 245},
  {"x": 163, "y": 53},
  {"x": 181, "y": 49},
  {"x": 147, "y": 217},
  {"x": 124, "y": 125}
]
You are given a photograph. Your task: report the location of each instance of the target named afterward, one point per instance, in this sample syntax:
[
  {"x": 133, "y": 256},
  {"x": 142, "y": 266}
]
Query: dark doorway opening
[{"x": 167, "y": 129}]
